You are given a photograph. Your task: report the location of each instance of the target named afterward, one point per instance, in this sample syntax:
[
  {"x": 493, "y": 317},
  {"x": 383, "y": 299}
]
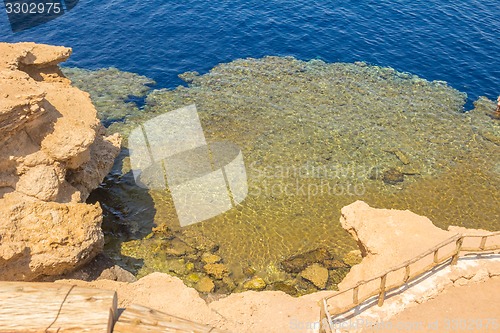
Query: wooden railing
[{"x": 459, "y": 243}]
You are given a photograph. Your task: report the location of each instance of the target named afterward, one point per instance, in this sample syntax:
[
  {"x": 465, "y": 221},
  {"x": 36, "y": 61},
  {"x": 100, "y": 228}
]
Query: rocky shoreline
[{"x": 53, "y": 152}]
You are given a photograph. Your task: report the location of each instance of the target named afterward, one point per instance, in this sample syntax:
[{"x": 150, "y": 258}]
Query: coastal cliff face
[{"x": 53, "y": 152}]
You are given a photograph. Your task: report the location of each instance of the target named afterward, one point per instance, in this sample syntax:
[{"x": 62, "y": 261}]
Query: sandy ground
[{"x": 470, "y": 308}]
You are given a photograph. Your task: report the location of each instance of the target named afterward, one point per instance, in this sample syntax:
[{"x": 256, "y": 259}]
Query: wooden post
[
  {"x": 407, "y": 273},
  {"x": 322, "y": 316},
  {"x": 51, "y": 307},
  {"x": 436, "y": 256},
  {"x": 355, "y": 292},
  {"x": 483, "y": 242},
  {"x": 455, "y": 257},
  {"x": 381, "y": 296}
]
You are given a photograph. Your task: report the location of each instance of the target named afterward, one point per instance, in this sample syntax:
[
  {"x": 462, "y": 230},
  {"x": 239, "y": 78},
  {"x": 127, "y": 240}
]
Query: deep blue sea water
[{"x": 455, "y": 41}]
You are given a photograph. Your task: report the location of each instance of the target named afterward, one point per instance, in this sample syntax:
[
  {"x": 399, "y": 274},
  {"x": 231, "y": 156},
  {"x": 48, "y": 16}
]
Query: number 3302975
[{"x": 33, "y": 8}]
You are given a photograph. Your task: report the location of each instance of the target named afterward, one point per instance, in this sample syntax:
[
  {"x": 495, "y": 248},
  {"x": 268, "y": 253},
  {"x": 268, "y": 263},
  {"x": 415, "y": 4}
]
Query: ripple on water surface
[{"x": 316, "y": 137}]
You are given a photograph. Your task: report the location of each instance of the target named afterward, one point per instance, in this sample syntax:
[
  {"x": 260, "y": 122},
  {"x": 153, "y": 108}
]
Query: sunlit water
[{"x": 315, "y": 136}]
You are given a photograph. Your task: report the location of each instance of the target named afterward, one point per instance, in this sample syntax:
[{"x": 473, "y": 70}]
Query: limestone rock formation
[
  {"x": 317, "y": 274},
  {"x": 386, "y": 238},
  {"x": 52, "y": 154},
  {"x": 256, "y": 283}
]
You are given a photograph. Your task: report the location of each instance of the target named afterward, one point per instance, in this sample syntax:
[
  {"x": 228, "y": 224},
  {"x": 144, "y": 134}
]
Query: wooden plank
[
  {"x": 324, "y": 315},
  {"x": 50, "y": 307},
  {"x": 355, "y": 299},
  {"x": 458, "y": 248},
  {"x": 381, "y": 296},
  {"x": 139, "y": 319}
]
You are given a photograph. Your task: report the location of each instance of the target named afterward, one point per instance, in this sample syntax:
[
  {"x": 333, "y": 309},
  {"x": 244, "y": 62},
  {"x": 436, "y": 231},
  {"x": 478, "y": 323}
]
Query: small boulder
[
  {"x": 392, "y": 176},
  {"x": 179, "y": 248},
  {"x": 316, "y": 274},
  {"x": 205, "y": 285},
  {"x": 256, "y": 283},
  {"x": 353, "y": 257},
  {"x": 299, "y": 262},
  {"x": 209, "y": 258},
  {"x": 116, "y": 273},
  {"x": 217, "y": 271}
]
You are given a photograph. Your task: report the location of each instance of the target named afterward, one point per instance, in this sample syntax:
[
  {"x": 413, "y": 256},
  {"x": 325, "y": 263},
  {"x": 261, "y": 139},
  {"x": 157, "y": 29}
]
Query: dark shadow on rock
[
  {"x": 128, "y": 212},
  {"x": 100, "y": 268}
]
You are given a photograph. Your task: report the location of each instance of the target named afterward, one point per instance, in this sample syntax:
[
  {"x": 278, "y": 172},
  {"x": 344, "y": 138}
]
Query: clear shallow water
[
  {"x": 457, "y": 41},
  {"x": 315, "y": 137},
  {"x": 287, "y": 113}
]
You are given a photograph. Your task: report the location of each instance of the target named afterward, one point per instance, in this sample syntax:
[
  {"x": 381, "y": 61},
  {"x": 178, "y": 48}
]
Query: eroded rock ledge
[{"x": 53, "y": 152}]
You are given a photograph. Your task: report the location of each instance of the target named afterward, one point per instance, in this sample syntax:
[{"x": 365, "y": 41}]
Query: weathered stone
[
  {"x": 209, "y": 258},
  {"x": 285, "y": 287},
  {"x": 216, "y": 270},
  {"x": 46, "y": 238},
  {"x": 256, "y": 283},
  {"x": 392, "y": 176},
  {"x": 193, "y": 277},
  {"x": 333, "y": 264},
  {"x": 205, "y": 285},
  {"x": 53, "y": 152},
  {"x": 178, "y": 248},
  {"x": 316, "y": 274},
  {"x": 353, "y": 257},
  {"x": 299, "y": 262},
  {"x": 375, "y": 231},
  {"x": 116, "y": 273}
]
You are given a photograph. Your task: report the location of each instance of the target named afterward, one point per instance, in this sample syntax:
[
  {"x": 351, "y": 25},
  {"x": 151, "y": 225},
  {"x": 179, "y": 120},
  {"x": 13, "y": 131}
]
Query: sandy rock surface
[
  {"x": 52, "y": 154},
  {"x": 387, "y": 238},
  {"x": 399, "y": 236}
]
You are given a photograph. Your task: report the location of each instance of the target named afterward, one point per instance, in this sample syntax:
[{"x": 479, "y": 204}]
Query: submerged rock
[
  {"x": 53, "y": 152},
  {"x": 285, "y": 287},
  {"x": 205, "y": 285},
  {"x": 209, "y": 258},
  {"x": 310, "y": 133},
  {"x": 256, "y": 283},
  {"x": 218, "y": 271},
  {"x": 353, "y": 257},
  {"x": 299, "y": 262},
  {"x": 393, "y": 176},
  {"x": 316, "y": 274}
]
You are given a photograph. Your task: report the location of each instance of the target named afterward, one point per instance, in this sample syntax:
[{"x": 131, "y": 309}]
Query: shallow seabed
[{"x": 315, "y": 137}]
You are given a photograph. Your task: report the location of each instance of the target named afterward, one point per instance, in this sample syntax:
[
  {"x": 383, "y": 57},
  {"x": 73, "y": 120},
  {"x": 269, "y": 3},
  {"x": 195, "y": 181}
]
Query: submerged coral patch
[{"x": 315, "y": 137}]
